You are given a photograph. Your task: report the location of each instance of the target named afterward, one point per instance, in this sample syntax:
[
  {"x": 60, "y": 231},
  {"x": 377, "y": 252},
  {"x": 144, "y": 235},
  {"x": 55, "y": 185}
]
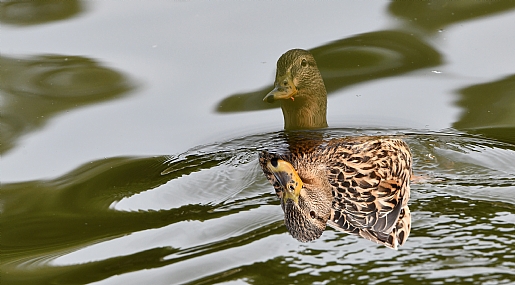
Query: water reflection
[
  {"x": 208, "y": 215},
  {"x": 33, "y": 12},
  {"x": 50, "y": 218},
  {"x": 35, "y": 89},
  {"x": 489, "y": 109},
  {"x": 213, "y": 204},
  {"x": 352, "y": 60},
  {"x": 437, "y": 14}
]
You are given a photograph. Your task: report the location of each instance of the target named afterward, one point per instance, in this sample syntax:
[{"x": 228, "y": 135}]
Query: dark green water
[
  {"x": 213, "y": 218},
  {"x": 129, "y": 154}
]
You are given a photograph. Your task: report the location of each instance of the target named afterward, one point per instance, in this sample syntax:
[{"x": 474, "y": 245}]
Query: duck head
[{"x": 301, "y": 90}]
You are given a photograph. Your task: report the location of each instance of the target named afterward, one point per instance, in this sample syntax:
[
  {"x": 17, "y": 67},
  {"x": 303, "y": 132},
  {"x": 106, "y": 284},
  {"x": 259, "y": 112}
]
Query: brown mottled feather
[
  {"x": 356, "y": 185},
  {"x": 368, "y": 179}
]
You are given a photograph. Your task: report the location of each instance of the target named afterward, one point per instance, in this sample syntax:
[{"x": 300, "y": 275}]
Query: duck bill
[
  {"x": 290, "y": 195},
  {"x": 287, "y": 176},
  {"x": 284, "y": 89}
]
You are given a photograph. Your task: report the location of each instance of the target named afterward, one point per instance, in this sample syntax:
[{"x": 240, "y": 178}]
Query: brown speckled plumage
[{"x": 356, "y": 185}]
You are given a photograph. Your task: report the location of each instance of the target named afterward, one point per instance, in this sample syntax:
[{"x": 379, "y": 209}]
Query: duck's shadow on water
[{"x": 111, "y": 198}]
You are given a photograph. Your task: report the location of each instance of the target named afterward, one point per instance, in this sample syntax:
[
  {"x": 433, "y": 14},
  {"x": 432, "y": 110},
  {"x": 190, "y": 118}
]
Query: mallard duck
[{"x": 356, "y": 185}]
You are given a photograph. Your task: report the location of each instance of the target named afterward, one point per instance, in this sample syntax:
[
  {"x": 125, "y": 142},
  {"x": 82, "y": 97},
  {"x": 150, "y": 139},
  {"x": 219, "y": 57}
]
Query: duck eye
[
  {"x": 312, "y": 214},
  {"x": 273, "y": 161},
  {"x": 304, "y": 62}
]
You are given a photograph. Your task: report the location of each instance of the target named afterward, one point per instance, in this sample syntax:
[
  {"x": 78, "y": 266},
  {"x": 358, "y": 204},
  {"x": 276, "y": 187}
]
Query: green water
[{"x": 130, "y": 133}]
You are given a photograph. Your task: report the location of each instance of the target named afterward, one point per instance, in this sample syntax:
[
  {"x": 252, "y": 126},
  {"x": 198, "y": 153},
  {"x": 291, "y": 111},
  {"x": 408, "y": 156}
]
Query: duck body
[
  {"x": 361, "y": 183},
  {"x": 358, "y": 185}
]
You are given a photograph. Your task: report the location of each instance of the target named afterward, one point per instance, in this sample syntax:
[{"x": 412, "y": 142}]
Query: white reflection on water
[{"x": 453, "y": 233}]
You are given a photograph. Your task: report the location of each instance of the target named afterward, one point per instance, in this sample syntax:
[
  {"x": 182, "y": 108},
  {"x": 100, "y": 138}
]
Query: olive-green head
[{"x": 306, "y": 208}]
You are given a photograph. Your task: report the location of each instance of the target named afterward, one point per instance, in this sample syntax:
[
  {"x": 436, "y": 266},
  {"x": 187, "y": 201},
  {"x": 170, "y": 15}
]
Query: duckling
[{"x": 356, "y": 185}]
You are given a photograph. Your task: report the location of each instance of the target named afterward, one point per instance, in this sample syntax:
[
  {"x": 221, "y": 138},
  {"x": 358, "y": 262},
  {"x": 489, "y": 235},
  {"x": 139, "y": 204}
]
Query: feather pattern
[
  {"x": 367, "y": 180},
  {"x": 355, "y": 185}
]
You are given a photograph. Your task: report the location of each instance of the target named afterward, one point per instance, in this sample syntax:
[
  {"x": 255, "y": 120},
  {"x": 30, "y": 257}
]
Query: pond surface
[{"x": 130, "y": 133}]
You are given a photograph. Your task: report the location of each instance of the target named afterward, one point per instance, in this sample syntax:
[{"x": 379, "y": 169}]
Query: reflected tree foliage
[
  {"x": 436, "y": 14},
  {"x": 35, "y": 89},
  {"x": 74, "y": 210},
  {"x": 489, "y": 109},
  {"x": 33, "y": 12}
]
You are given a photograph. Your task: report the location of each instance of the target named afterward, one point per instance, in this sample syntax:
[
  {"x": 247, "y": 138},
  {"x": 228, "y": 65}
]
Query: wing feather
[{"x": 370, "y": 184}]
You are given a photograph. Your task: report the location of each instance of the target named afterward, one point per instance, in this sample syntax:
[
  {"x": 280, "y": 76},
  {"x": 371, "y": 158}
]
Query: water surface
[{"x": 130, "y": 134}]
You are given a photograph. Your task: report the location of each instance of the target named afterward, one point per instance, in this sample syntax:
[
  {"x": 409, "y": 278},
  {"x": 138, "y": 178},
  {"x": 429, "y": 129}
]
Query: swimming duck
[{"x": 357, "y": 185}]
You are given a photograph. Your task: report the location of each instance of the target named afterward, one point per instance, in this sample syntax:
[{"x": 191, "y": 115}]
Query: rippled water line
[
  {"x": 451, "y": 217},
  {"x": 214, "y": 186},
  {"x": 182, "y": 236},
  {"x": 209, "y": 264}
]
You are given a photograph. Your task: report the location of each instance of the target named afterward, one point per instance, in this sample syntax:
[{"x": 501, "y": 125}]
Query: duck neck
[{"x": 305, "y": 112}]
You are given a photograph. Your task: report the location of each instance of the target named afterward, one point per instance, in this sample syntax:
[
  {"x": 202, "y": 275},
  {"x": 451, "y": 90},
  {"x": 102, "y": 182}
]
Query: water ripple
[{"x": 209, "y": 216}]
